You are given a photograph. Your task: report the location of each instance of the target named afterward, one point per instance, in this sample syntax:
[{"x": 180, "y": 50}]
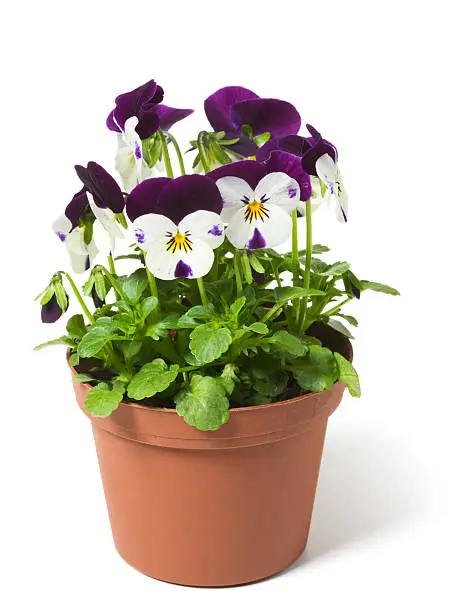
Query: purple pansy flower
[
  {"x": 177, "y": 224},
  {"x": 230, "y": 108},
  {"x": 144, "y": 102},
  {"x": 258, "y": 198},
  {"x": 318, "y": 146},
  {"x": 101, "y": 197}
]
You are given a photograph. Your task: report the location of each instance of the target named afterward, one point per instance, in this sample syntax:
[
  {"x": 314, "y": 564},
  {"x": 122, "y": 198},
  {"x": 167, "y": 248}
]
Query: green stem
[
  {"x": 335, "y": 309},
  {"x": 111, "y": 265},
  {"x": 153, "y": 288},
  {"x": 237, "y": 273},
  {"x": 271, "y": 312},
  {"x": 202, "y": 291},
  {"x": 79, "y": 297},
  {"x": 178, "y": 153},
  {"x": 202, "y": 152},
  {"x": 295, "y": 261},
  {"x": 114, "y": 283},
  {"x": 166, "y": 156},
  {"x": 307, "y": 266}
]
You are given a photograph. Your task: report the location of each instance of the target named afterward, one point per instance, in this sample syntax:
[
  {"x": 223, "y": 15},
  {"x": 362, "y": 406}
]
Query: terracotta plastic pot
[{"x": 213, "y": 508}]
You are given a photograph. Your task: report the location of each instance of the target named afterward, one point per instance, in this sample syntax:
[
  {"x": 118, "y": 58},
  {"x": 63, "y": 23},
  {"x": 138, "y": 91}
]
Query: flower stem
[
  {"x": 178, "y": 153},
  {"x": 167, "y": 158},
  {"x": 202, "y": 291},
  {"x": 153, "y": 288},
  {"x": 202, "y": 152},
  {"x": 337, "y": 308},
  {"x": 295, "y": 261},
  {"x": 79, "y": 297},
  {"x": 114, "y": 283},
  {"x": 111, "y": 265},
  {"x": 237, "y": 273},
  {"x": 307, "y": 266}
]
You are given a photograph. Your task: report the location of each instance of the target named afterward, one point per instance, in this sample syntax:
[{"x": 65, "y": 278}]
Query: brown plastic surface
[{"x": 213, "y": 508}]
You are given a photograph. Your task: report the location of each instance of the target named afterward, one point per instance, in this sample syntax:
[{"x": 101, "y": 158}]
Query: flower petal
[
  {"x": 236, "y": 194},
  {"x": 81, "y": 254},
  {"x": 129, "y": 104},
  {"x": 280, "y": 161},
  {"x": 51, "y": 311},
  {"x": 103, "y": 187},
  {"x": 168, "y": 116},
  {"x": 62, "y": 227},
  {"x": 270, "y": 232},
  {"x": 277, "y": 117},
  {"x": 167, "y": 265},
  {"x": 144, "y": 198},
  {"x": 203, "y": 225},
  {"x": 107, "y": 219},
  {"x": 152, "y": 229},
  {"x": 218, "y": 106},
  {"x": 250, "y": 171},
  {"x": 77, "y": 207},
  {"x": 327, "y": 170},
  {"x": 186, "y": 194},
  {"x": 279, "y": 189},
  {"x": 342, "y": 205},
  {"x": 318, "y": 147}
]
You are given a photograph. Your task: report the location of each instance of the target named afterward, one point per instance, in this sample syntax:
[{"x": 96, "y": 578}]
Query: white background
[{"x": 379, "y": 79}]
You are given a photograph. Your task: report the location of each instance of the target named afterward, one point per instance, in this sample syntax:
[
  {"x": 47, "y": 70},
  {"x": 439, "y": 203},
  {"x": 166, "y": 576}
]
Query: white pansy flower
[
  {"x": 183, "y": 250},
  {"x": 329, "y": 173},
  {"x": 260, "y": 217}
]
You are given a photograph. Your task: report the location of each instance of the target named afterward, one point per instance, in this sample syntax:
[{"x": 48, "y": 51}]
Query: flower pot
[{"x": 214, "y": 508}]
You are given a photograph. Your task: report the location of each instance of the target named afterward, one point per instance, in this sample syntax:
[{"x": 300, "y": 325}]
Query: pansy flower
[
  {"x": 51, "y": 311},
  {"x": 329, "y": 173},
  {"x": 257, "y": 202},
  {"x": 138, "y": 114},
  {"x": 177, "y": 224},
  {"x": 316, "y": 146},
  {"x": 231, "y": 108},
  {"x": 100, "y": 199}
]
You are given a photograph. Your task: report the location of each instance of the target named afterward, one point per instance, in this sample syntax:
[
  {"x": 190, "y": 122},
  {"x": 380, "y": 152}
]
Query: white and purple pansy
[
  {"x": 100, "y": 200},
  {"x": 129, "y": 161},
  {"x": 328, "y": 172},
  {"x": 256, "y": 204},
  {"x": 176, "y": 222}
]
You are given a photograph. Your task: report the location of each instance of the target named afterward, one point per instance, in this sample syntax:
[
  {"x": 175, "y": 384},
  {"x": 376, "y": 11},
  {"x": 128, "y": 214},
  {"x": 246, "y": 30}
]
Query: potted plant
[{"x": 208, "y": 372}]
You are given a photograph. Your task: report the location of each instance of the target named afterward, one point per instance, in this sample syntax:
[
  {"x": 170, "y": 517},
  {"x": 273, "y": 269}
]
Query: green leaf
[
  {"x": 342, "y": 329},
  {"x": 349, "y": 318},
  {"x": 284, "y": 294},
  {"x": 101, "y": 401},
  {"x": 316, "y": 371},
  {"x": 256, "y": 264},
  {"x": 83, "y": 378},
  {"x": 336, "y": 269},
  {"x": 131, "y": 348},
  {"x": 74, "y": 359},
  {"x": 228, "y": 377},
  {"x": 47, "y": 294},
  {"x": 161, "y": 328},
  {"x": 259, "y": 328},
  {"x": 100, "y": 285},
  {"x": 270, "y": 384},
  {"x": 148, "y": 305},
  {"x": 319, "y": 248},
  {"x": 348, "y": 375},
  {"x": 203, "y": 404},
  {"x": 288, "y": 342},
  {"x": 62, "y": 340},
  {"x": 76, "y": 327},
  {"x": 246, "y": 269},
  {"x": 379, "y": 287},
  {"x": 61, "y": 296},
  {"x": 134, "y": 285},
  {"x": 237, "y": 305},
  {"x": 152, "y": 378},
  {"x": 208, "y": 343},
  {"x": 95, "y": 339}
]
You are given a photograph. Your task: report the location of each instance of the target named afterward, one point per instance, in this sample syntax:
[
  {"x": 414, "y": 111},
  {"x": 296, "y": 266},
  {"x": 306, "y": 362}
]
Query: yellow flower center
[
  {"x": 255, "y": 211},
  {"x": 179, "y": 242}
]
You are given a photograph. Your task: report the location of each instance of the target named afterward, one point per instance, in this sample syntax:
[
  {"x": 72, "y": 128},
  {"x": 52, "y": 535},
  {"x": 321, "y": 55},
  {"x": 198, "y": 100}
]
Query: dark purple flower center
[
  {"x": 183, "y": 270},
  {"x": 257, "y": 241}
]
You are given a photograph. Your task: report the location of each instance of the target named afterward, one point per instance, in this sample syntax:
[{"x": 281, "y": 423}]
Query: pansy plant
[{"x": 212, "y": 316}]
